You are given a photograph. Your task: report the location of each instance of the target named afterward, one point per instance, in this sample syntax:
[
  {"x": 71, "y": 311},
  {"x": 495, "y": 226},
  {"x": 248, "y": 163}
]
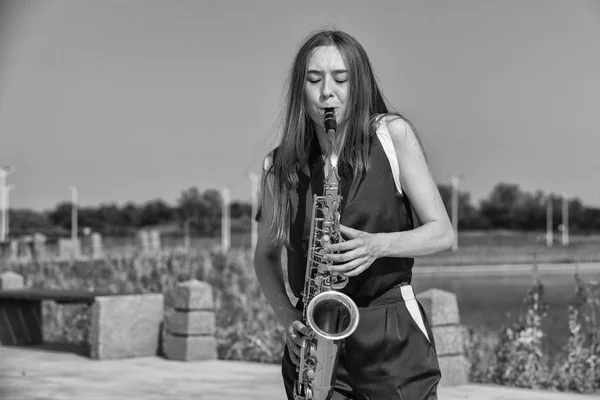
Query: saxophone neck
[{"x": 332, "y": 166}]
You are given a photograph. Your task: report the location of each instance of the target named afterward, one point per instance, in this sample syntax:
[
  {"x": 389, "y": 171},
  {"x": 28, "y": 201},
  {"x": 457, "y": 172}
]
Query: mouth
[{"x": 323, "y": 109}]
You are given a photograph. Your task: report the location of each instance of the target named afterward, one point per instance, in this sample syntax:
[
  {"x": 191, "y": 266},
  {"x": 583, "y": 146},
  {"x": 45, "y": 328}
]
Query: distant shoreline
[{"x": 512, "y": 269}]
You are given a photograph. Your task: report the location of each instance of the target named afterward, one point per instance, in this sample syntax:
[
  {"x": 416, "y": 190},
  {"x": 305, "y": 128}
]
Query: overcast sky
[{"x": 137, "y": 100}]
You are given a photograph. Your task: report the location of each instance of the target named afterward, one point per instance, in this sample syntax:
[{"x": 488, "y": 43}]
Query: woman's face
[{"x": 326, "y": 84}]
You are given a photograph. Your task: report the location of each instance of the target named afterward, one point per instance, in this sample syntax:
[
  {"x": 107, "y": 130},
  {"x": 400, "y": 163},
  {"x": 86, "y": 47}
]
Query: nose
[{"x": 326, "y": 91}]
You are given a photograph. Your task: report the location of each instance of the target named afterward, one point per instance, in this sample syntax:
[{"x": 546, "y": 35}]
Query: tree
[
  {"x": 212, "y": 201},
  {"x": 200, "y": 212},
  {"x": 61, "y": 215},
  {"x": 190, "y": 210},
  {"x": 26, "y": 222},
  {"x": 240, "y": 209},
  {"x": 468, "y": 216},
  {"x": 501, "y": 207},
  {"x": 130, "y": 215},
  {"x": 155, "y": 212}
]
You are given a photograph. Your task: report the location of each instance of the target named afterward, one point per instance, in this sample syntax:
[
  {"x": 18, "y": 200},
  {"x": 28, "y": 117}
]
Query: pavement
[{"x": 58, "y": 373}]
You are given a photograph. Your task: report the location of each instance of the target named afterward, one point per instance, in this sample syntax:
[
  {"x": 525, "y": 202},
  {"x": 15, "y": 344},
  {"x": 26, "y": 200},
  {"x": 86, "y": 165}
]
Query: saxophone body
[{"x": 329, "y": 314}]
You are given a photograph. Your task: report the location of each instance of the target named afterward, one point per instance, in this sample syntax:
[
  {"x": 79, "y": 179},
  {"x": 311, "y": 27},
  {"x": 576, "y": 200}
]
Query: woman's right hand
[{"x": 295, "y": 332}]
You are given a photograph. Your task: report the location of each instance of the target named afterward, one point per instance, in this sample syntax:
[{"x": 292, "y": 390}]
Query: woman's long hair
[{"x": 365, "y": 102}]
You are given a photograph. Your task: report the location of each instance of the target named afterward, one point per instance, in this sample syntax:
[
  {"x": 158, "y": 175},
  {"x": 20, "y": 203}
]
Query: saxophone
[{"x": 329, "y": 314}]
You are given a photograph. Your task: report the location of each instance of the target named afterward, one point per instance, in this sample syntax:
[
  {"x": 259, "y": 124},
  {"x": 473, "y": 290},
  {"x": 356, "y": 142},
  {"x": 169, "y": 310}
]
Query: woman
[{"x": 385, "y": 183}]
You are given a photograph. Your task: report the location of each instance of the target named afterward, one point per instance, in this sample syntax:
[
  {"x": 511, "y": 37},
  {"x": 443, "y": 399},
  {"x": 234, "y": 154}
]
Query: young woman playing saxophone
[{"x": 390, "y": 211}]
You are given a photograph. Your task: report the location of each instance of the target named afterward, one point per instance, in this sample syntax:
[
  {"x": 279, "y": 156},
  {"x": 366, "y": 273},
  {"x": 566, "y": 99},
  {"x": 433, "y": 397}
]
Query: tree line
[{"x": 199, "y": 213}]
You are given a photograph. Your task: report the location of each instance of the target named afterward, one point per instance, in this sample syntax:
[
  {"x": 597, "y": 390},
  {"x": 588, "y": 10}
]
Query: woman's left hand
[{"x": 357, "y": 252}]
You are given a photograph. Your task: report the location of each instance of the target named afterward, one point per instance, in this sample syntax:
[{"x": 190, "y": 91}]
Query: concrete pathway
[{"x": 42, "y": 372}]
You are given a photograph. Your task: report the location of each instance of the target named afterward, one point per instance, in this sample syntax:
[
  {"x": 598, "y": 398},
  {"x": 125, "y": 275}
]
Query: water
[{"x": 491, "y": 296}]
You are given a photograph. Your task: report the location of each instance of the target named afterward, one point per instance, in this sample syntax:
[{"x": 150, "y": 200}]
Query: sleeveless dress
[
  {"x": 391, "y": 355},
  {"x": 374, "y": 204}
]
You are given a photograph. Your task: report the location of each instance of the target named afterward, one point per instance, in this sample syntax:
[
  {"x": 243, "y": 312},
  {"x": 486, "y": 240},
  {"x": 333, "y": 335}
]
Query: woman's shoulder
[
  {"x": 398, "y": 127},
  {"x": 395, "y": 123},
  {"x": 269, "y": 159}
]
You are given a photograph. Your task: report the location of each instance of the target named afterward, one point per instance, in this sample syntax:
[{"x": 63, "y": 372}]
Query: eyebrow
[{"x": 335, "y": 71}]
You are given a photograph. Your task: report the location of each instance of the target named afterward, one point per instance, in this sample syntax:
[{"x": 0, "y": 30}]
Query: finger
[
  {"x": 345, "y": 257},
  {"x": 347, "y": 267},
  {"x": 358, "y": 270},
  {"x": 349, "y": 232},
  {"x": 300, "y": 328},
  {"x": 342, "y": 246}
]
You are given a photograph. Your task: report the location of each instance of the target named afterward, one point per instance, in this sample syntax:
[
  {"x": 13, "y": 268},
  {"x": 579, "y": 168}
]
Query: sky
[{"x": 138, "y": 100}]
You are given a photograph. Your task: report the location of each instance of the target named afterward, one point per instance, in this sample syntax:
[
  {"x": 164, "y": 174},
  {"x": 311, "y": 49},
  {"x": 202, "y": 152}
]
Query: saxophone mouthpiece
[{"x": 330, "y": 122}]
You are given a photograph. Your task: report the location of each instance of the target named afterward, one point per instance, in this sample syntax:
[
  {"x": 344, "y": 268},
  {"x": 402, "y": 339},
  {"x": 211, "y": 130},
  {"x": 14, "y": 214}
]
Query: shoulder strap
[{"x": 388, "y": 146}]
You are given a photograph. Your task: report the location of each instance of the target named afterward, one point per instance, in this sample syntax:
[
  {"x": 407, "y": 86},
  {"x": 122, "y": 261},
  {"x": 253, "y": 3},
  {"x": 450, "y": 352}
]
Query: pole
[
  {"x": 565, "y": 219},
  {"x": 455, "y": 181},
  {"x": 254, "y": 234},
  {"x": 225, "y": 223},
  {"x": 7, "y": 190},
  {"x": 549, "y": 215},
  {"x": 4, "y": 172},
  {"x": 74, "y": 205},
  {"x": 3, "y": 206}
]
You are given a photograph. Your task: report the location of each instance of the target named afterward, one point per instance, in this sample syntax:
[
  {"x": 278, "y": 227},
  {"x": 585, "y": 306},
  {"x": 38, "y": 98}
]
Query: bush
[
  {"x": 517, "y": 357},
  {"x": 520, "y": 360},
  {"x": 578, "y": 370}
]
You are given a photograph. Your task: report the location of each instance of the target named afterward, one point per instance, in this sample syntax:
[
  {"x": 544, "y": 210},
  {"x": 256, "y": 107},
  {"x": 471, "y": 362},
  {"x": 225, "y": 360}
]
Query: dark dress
[{"x": 391, "y": 355}]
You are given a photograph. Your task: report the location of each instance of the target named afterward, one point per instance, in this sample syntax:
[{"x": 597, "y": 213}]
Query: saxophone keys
[
  {"x": 309, "y": 394},
  {"x": 312, "y": 350}
]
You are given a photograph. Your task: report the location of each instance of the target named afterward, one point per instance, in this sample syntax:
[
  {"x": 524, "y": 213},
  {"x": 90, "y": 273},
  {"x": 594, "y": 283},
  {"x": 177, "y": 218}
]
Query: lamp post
[
  {"x": 4, "y": 172},
  {"x": 455, "y": 180},
  {"x": 549, "y": 215},
  {"x": 565, "y": 219},
  {"x": 74, "y": 218},
  {"x": 254, "y": 178},
  {"x": 225, "y": 220}
]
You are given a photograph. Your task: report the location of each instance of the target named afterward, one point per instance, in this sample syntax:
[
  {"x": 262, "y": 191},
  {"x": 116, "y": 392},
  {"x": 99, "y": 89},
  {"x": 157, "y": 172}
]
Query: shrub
[
  {"x": 520, "y": 360},
  {"x": 578, "y": 369}
]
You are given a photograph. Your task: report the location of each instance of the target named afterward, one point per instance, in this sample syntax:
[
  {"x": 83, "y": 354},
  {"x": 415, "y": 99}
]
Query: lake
[{"x": 492, "y": 295}]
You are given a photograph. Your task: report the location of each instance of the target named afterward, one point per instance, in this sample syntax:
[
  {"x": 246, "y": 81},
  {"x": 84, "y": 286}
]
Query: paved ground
[{"x": 48, "y": 374}]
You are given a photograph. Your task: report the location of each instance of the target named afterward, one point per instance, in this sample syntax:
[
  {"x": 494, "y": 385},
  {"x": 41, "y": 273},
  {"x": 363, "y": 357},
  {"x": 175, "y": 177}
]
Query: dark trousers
[{"x": 391, "y": 355}]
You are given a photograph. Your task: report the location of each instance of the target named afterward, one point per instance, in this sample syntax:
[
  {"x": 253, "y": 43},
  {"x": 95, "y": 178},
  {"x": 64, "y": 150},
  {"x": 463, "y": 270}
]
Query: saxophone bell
[{"x": 332, "y": 315}]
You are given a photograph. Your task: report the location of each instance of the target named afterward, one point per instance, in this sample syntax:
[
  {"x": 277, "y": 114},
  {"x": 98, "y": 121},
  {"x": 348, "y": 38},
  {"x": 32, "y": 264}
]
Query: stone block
[
  {"x": 191, "y": 295},
  {"x": 14, "y": 250},
  {"x": 11, "y": 280},
  {"x": 186, "y": 323},
  {"x": 96, "y": 243},
  {"x": 440, "y": 306},
  {"x": 455, "y": 370},
  {"x": 190, "y": 348},
  {"x": 68, "y": 249},
  {"x": 126, "y": 326},
  {"x": 144, "y": 241},
  {"x": 448, "y": 339},
  {"x": 155, "y": 240}
]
